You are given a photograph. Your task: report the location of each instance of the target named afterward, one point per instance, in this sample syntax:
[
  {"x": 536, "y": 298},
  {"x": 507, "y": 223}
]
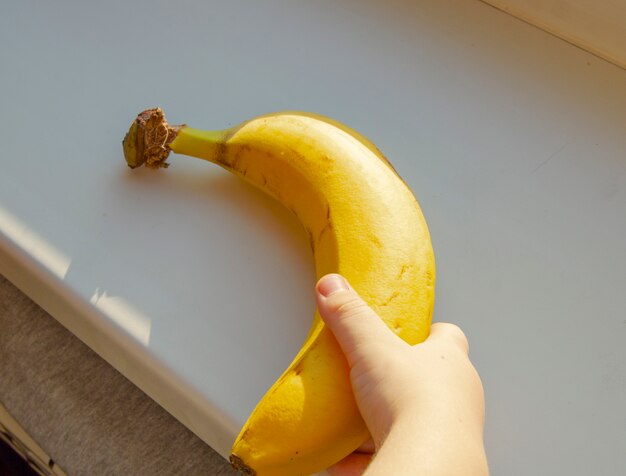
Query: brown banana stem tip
[
  {"x": 148, "y": 139},
  {"x": 237, "y": 463}
]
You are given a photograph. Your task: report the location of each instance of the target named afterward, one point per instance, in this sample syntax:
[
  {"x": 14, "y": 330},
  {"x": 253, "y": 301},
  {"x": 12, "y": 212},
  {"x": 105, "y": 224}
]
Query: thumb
[{"x": 354, "y": 324}]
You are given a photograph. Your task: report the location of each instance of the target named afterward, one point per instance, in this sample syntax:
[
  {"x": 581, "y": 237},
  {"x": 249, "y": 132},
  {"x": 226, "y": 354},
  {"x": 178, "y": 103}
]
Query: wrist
[{"x": 427, "y": 444}]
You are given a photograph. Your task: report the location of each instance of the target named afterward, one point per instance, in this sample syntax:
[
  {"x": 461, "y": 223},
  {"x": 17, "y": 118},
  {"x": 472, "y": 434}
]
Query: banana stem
[
  {"x": 207, "y": 145},
  {"x": 148, "y": 140}
]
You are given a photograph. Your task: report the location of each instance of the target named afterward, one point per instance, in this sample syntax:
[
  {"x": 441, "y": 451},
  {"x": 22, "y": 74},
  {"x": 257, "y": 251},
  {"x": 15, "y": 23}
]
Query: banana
[{"x": 363, "y": 222}]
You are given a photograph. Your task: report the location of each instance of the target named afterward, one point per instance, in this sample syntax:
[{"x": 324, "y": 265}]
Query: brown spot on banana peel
[
  {"x": 295, "y": 213},
  {"x": 429, "y": 277},
  {"x": 312, "y": 240},
  {"x": 403, "y": 270},
  {"x": 298, "y": 368},
  {"x": 326, "y": 159},
  {"x": 222, "y": 162},
  {"x": 315, "y": 241},
  {"x": 376, "y": 241},
  {"x": 233, "y": 163},
  {"x": 294, "y": 153},
  {"x": 327, "y": 228},
  {"x": 394, "y": 295},
  {"x": 243, "y": 149}
]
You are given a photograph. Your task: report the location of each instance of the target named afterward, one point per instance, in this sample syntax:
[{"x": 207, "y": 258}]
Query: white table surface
[{"x": 199, "y": 288}]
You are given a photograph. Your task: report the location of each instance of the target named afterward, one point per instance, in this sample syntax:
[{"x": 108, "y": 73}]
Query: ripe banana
[{"x": 363, "y": 222}]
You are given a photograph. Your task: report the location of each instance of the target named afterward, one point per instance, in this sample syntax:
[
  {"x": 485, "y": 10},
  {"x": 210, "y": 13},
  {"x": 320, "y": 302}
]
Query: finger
[
  {"x": 352, "y": 465},
  {"x": 444, "y": 331},
  {"x": 367, "y": 448},
  {"x": 354, "y": 324}
]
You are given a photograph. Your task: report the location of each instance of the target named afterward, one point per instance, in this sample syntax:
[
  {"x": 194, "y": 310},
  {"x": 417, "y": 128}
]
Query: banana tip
[
  {"x": 237, "y": 463},
  {"x": 147, "y": 140}
]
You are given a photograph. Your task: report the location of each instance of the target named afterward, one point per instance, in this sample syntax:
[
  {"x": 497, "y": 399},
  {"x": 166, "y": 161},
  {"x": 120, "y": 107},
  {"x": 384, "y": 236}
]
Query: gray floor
[{"x": 87, "y": 416}]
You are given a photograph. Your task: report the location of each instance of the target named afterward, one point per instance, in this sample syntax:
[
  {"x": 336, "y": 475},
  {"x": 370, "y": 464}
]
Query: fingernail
[{"x": 330, "y": 284}]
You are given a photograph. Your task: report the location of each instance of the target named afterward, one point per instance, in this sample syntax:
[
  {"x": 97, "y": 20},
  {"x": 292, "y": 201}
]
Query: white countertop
[{"x": 199, "y": 288}]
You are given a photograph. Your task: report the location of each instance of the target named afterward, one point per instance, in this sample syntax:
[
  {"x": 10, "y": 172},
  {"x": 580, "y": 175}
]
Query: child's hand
[{"x": 423, "y": 404}]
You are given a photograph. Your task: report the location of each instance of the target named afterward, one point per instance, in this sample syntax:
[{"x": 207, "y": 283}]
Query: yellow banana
[{"x": 363, "y": 222}]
